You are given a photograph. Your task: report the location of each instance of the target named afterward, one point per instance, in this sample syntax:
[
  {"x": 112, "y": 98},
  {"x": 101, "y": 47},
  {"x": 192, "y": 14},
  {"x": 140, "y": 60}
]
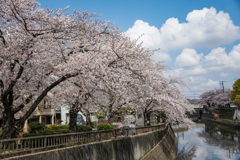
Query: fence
[{"x": 39, "y": 143}]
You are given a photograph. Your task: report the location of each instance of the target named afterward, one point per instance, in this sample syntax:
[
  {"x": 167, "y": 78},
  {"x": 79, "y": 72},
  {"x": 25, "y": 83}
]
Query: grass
[{"x": 227, "y": 113}]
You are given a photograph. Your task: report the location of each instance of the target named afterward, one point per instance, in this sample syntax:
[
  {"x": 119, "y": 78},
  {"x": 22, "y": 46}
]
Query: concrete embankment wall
[
  {"x": 125, "y": 148},
  {"x": 165, "y": 149}
]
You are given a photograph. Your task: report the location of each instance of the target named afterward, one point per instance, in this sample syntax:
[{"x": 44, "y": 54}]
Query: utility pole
[{"x": 222, "y": 85}]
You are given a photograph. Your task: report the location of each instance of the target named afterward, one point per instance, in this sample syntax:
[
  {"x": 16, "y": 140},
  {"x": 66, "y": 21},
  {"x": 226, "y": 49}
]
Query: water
[{"x": 212, "y": 142}]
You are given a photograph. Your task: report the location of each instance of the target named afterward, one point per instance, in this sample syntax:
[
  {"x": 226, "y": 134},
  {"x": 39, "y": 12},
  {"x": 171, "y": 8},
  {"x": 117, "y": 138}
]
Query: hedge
[
  {"x": 83, "y": 128},
  {"x": 104, "y": 126},
  {"x": 47, "y": 132},
  {"x": 63, "y": 129},
  {"x": 36, "y": 127}
]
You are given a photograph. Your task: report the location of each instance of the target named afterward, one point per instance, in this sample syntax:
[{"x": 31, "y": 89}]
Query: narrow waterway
[{"x": 208, "y": 141}]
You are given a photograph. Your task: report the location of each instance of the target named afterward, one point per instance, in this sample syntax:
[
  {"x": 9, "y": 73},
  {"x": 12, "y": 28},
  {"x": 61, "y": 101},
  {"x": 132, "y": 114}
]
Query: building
[{"x": 44, "y": 113}]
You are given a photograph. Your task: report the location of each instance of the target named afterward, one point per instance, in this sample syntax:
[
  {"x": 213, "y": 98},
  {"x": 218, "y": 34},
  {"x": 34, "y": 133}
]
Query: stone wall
[
  {"x": 125, "y": 148},
  {"x": 166, "y": 148}
]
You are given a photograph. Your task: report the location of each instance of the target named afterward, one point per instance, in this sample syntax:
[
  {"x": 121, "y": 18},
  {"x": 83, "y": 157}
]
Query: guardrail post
[
  {"x": 100, "y": 136},
  {"x": 115, "y": 134},
  {"x": 45, "y": 142},
  {"x": 88, "y": 139}
]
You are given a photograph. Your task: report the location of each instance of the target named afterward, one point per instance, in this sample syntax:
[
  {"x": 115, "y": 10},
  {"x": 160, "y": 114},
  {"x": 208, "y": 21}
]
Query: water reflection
[
  {"x": 211, "y": 142},
  {"x": 187, "y": 153}
]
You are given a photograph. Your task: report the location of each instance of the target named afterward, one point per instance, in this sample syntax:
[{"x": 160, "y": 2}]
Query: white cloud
[
  {"x": 218, "y": 59},
  {"x": 188, "y": 57},
  {"x": 188, "y": 74},
  {"x": 222, "y": 74},
  {"x": 197, "y": 71},
  {"x": 161, "y": 56},
  {"x": 196, "y": 79},
  {"x": 204, "y": 28},
  {"x": 211, "y": 83},
  {"x": 191, "y": 63},
  {"x": 150, "y": 34}
]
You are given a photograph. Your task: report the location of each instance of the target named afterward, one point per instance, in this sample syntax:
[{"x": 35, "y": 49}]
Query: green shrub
[
  {"x": 63, "y": 129},
  {"x": 31, "y": 135},
  {"x": 36, "y": 127},
  {"x": 55, "y": 128},
  {"x": 49, "y": 129},
  {"x": 19, "y": 130},
  {"x": 100, "y": 114},
  {"x": 103, "y": 126},
  {"x": 163, "y": 118},
  {"x": 48, "y": 132},
  {"x": 83, "y": 128},
  {"x": 58, "y": 129}
]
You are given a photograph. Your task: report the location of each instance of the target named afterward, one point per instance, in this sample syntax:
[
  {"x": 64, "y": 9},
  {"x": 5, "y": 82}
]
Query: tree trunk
[
  {"x": 73, "y": 120},
  {"x": 88, "y": 120},
  {"x": 158, "y": 119},
  {"x": 8, "y": 125},
  {"x": 110, "y": 117},
  {"x": 145, "y": 119}
]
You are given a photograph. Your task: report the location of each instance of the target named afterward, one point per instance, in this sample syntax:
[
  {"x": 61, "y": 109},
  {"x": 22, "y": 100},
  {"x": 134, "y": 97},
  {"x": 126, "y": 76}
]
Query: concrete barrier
[
  {"x": 124, "y": 148},
  {"x": 165, "y": 149}
]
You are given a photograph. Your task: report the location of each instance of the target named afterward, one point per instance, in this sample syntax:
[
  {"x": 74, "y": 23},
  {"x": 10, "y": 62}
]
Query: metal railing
[{"x": 39, "y": 143}]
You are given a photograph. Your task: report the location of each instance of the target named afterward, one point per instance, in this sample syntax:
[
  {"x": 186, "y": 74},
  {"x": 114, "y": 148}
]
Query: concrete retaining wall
[
  {"x": 165, "y": 149},
  {"x": 125, "y": 148}
]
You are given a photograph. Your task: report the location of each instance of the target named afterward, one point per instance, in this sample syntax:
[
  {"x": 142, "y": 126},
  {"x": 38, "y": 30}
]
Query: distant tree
[
  {"x": 216, "y": 97},
  {"x": 235, "y": 93},
  {"x": 222, "y": 98},
  {"x": 206, "y": 98},
  {"x": 194, "y": 101}
]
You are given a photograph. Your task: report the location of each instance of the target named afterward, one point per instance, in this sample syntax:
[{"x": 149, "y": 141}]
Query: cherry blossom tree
[
  {"x": 40, "y": 48},
  {"x": 76, "y": 95},
  {"x": 159, "y": 95},
  {"x": 216, "y": 97},
  {"x": 207, "y": 97},
  {"x": 141, "y": 84},
  {"x": 223, "y": 98}
]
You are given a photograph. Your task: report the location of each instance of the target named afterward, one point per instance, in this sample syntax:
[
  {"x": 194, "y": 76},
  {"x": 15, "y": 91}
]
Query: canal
[{"x": 209, "y": 141}]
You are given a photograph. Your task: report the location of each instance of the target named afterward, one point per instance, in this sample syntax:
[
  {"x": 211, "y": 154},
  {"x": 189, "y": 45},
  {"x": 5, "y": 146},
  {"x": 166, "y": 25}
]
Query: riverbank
[{"x": 228, "y": 123}]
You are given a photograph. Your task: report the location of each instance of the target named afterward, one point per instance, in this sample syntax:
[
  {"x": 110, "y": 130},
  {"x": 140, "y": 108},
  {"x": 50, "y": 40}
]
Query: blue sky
[{"x": 199, "y": 40}]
